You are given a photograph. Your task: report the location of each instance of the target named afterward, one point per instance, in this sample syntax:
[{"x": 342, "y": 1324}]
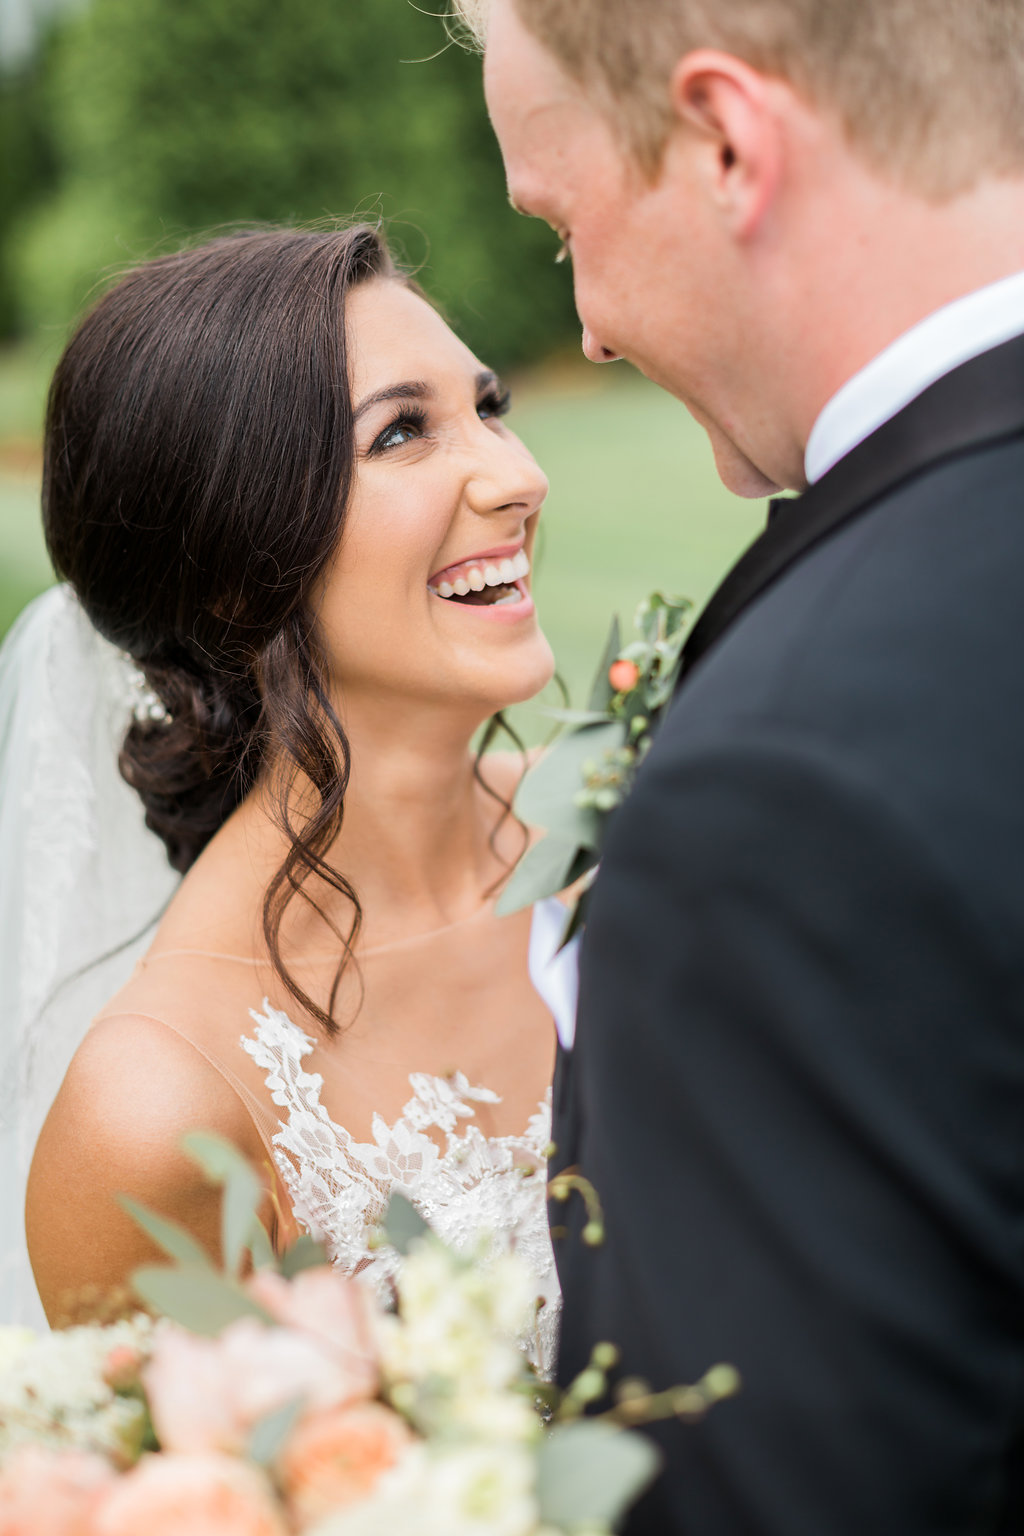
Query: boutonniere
[{"x": 579, "y": 782}]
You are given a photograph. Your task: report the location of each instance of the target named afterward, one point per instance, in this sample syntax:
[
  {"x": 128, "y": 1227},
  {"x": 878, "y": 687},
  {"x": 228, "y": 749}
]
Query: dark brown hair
[{"x": 198, "y": 462}]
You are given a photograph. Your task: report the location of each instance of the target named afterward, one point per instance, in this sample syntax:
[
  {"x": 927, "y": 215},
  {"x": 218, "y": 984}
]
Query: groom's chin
[{"x": 740, "y": 474}]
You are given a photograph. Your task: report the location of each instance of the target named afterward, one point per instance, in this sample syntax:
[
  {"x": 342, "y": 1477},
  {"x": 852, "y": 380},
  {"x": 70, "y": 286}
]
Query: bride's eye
[
  {"x": 404, "y": 429},
  {"x": 496, "y": 402}
]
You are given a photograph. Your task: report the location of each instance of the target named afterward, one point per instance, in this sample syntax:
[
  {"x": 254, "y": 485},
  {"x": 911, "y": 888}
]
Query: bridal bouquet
[
  {"x": 582, "y": 779},
  {"x": 288, "y": 1401}
]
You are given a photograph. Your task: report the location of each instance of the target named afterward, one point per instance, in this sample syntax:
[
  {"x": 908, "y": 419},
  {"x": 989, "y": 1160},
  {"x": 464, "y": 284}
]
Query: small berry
[{"x": 623, "y": 675}]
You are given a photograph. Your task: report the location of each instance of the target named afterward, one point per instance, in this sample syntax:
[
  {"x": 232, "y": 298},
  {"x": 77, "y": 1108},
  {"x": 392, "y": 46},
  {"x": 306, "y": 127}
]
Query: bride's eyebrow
[
  {"x": 417, "y": 389},
  {"x": 412, "y": 389}
]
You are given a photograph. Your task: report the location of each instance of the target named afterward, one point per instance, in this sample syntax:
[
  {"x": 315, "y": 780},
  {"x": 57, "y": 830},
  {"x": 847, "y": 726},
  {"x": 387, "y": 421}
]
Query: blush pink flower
[
  {"x": 190, "y": 1397},
  {"x": 205, "y": 1495},
  {"x": 122, "y": 1366},
  {"x": 332, "y": 1306},
  {"x": 47, "y": 1492},
  {"x": 335, "y": 1458},
  {"x": 207, "y": 1394}
]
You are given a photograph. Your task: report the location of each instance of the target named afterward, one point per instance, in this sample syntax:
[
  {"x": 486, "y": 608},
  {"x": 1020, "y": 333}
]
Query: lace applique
[{"x": 475, "y": 1184}]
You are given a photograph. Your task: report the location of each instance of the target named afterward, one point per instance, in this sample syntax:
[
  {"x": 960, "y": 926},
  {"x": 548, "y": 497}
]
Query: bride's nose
[{"x": 504, "y": 476}]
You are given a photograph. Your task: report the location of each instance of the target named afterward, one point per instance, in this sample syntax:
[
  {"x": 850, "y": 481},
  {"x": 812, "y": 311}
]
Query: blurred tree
[
  {"x": 173, "y": 116},
  {"x": 27, "y": 165}
]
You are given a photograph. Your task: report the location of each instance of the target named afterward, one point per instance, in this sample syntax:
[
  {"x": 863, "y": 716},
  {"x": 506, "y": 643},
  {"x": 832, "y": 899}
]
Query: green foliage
[
  {"x": 195, "y": 1296},
  {"x": 578, "y": 782},
  {"x": 174, "y": 1239},
  {"x": 588, "y": 1474},
  {"x": 178, "y": 116},
  {"x": 403, "y": 1225},
  {"x": 241, "y": 1229},
  {"x": 27, "y": 165}
]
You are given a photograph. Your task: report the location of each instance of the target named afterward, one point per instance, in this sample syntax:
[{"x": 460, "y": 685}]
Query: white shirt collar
[{"x": 951, "y": 336}]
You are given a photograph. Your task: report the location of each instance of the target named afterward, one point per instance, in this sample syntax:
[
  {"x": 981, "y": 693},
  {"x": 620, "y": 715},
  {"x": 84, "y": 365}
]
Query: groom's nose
[{"x": 593, "y": 349}]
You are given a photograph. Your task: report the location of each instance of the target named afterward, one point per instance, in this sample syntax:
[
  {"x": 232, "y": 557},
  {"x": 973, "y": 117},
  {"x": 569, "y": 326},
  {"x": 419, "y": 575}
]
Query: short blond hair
[{"x": 930, "y": 92}]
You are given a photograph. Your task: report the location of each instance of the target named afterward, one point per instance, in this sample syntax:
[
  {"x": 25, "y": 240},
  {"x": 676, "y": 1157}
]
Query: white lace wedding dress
[
  {"x": 80, "y": 875},
  {"x": 467, "y": 1187}
]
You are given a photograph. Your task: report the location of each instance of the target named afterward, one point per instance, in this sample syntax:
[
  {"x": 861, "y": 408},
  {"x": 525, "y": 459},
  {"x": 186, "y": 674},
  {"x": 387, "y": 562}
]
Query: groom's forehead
[
  {"x": 526, "y": 88},
  {"x": 538, "y": 114}
]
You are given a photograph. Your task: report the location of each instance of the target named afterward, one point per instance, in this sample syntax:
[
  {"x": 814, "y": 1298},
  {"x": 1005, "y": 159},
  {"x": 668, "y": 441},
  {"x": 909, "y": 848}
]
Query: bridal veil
[{"x": 82, "y": 880}]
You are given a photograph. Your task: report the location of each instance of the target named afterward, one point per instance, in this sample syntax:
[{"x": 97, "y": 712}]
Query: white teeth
[{"x": 474, "y": 579}]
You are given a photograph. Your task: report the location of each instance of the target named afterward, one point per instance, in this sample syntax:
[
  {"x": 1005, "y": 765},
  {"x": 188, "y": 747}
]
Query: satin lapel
[{"x": 980, "y": 402}]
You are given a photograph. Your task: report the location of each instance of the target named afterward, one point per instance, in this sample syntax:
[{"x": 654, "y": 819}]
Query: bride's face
[{"x": 428, "y": 597}]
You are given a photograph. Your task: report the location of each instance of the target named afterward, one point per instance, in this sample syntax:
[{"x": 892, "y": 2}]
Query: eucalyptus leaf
[
  {"x": 260, "y": 1246},
  {"x": 195, "y": 1297},
  {"x": 269, "y": 1434},
  {"x": 243, "y": 1191},
  {"x": 304, "y": 1253},
  {"x": 216, "y": 1156},
  {"x": 588, "y": 1474},
  {"x": 403, "y": 1223},
  {"x": 602, "y": 692},
  {"x": 175, "y": 1241},
  {"x": 239, "y": 1217},
  {"x": 544, "y": 870},
  {"x": 546, "y": 796}
]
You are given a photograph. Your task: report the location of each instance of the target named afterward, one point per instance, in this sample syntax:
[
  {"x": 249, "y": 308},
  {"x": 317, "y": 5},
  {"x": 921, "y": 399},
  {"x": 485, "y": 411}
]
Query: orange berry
[{"x": 623, "y": 675}]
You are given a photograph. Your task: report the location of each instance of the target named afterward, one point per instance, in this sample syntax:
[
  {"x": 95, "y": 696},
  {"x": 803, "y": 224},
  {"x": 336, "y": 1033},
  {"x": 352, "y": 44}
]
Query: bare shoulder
[{"x": 133, "y": 1089}]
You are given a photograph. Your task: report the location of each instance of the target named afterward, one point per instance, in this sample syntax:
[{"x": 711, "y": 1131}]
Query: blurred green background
[{"x": 129, "y": 126}]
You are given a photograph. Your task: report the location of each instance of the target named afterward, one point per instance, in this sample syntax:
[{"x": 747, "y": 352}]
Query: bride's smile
[{"x": 428, "y": 598}]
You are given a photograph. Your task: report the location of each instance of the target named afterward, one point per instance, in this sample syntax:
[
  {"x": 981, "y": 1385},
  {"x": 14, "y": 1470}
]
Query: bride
[{"x": 279, "y": 483}]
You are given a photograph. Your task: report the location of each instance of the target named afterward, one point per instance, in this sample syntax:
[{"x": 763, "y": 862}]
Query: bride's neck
[{"x": 415, "y": 839}]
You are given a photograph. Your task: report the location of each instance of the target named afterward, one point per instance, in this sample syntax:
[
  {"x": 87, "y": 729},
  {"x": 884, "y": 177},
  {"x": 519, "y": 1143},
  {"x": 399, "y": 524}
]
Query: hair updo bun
[
  {"x": 193, "y": 768},
  {"x": 198, "y": 460}
]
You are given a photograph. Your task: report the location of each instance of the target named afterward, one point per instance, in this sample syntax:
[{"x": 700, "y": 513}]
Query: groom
[{"x": 798, "y": 1079}]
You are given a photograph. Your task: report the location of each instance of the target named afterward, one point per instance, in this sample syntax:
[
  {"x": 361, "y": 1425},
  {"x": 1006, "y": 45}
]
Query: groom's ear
[{"x": 732, "y": 117}]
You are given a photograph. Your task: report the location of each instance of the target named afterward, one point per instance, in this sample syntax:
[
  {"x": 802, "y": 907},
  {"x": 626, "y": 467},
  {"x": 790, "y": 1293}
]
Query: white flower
[
  {"x": 470, "y": 1491},
  {"x": 52, "y": 1388},
  {"x": 450, "y": 1356},
  {"x": 13, "y": 1342}
]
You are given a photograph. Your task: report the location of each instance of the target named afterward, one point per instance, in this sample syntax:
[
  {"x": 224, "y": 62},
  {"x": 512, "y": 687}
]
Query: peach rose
[
  {"x": 47, "y": 1492},
  {"x": 190, "y": 1397},
  {"x": 336, "y": 1309},
  {"x": 122, "y": 1366},
  {"x": 335, "y": 1458},
  {"x": 206, "y": 1495},
  {"x": 207, "y": 1394}
]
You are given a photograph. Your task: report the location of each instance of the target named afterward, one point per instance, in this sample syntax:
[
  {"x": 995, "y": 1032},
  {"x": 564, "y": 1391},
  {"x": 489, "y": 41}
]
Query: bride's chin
[
  {"x": 502, "y": 682},
  {"x": 530, "y": 676}
]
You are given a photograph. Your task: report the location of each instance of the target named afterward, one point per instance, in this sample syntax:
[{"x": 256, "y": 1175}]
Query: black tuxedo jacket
[{"x": 798, "y": 1080}]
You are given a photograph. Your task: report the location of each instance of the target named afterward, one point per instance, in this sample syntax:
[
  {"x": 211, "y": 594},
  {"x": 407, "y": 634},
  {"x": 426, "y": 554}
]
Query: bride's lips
[
  {"x": 480, "y": 557},
  {"x": 500, "y": 570}
]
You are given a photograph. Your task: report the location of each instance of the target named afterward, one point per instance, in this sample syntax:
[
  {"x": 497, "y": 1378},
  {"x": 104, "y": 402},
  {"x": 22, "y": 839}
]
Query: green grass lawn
[
  {"x": 24, "y": 568},
  {"x": 635, "y": 502},
  {"x": 635, "y": 505}
]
